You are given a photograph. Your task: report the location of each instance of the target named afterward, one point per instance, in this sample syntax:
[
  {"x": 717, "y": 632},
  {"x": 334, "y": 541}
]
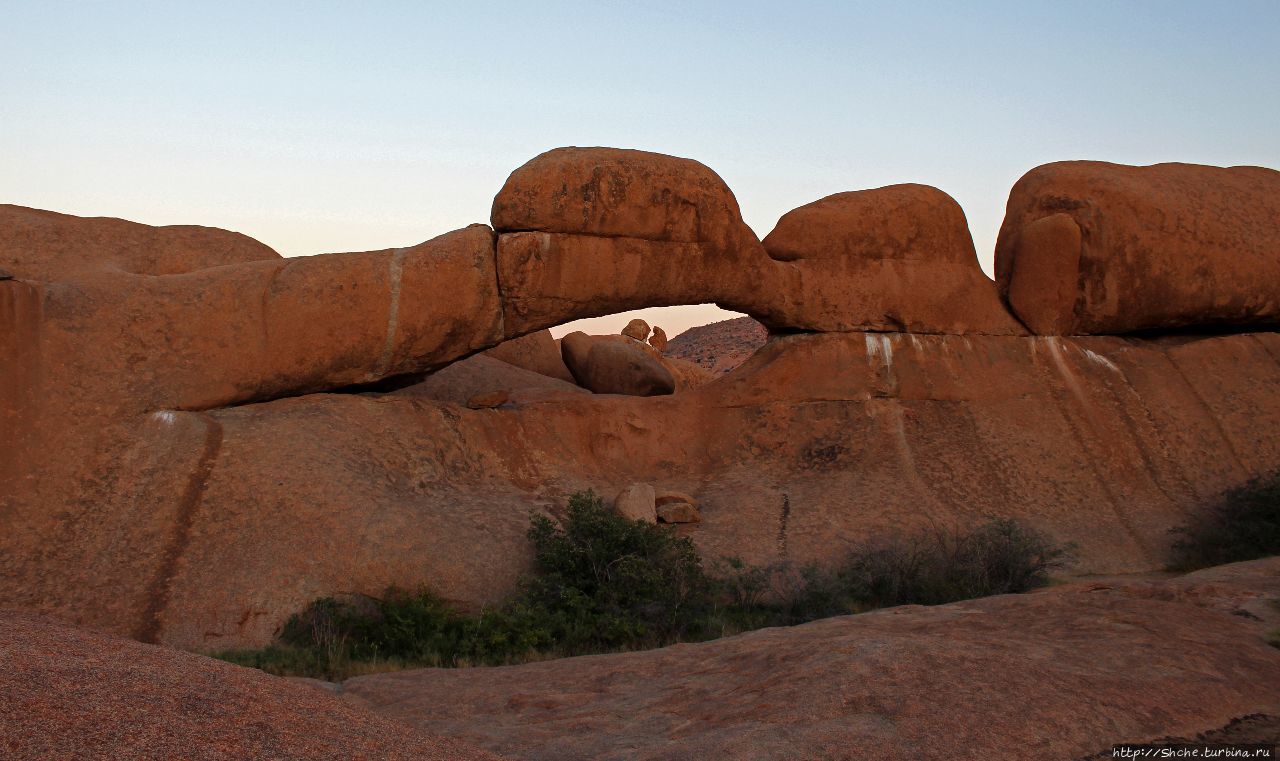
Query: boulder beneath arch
[{"x": 616, "y": 365}]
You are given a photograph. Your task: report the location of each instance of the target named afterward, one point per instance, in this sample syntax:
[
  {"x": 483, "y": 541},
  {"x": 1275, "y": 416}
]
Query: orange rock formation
[{"x": 201, "y": 437}]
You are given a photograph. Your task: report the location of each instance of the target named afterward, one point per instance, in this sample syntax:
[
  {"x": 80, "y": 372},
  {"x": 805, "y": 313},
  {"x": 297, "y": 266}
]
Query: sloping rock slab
[
  {"x": 74, "y": 693},
  {"x": 1055, "y": 674}
]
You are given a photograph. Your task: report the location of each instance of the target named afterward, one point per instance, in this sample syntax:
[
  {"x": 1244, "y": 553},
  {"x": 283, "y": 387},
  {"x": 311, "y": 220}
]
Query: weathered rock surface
[
  {"x": 74, "y": 693},
  {"x": 592, "y": 231},
  {"x": 687, "y": 374},
  {"x": 1106, "y": 442},
  {"x": 536, "y": 352},
  {"x": 263, "y": 329},
  {"x": 616, "y": 365},
  {"x": 612, "y": 192},
  {"x": 488, "y": 400},
  {"x": 552, "y": 278},
  {"x": 47, "y": 246},
  {"x": 190, "y": 413},
  {"x": 636, "y": 502},
  {"x": 659, "y": 338},
  {"x": 678, "y": 512},
  {"x": 893, "y": 258},
  {"x": 1092, "y": 247},
  {"x": 637, "y": 329},
  {"x": 480, "y": 375},
  {"x": 1055, "y": 674}
]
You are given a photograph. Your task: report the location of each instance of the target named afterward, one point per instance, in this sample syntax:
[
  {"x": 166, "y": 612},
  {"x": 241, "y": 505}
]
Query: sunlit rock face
[
  {"x": 1091, "y": 247},
  {"x": 201, "y": 437},
  {"x": 898, "y": 258}
]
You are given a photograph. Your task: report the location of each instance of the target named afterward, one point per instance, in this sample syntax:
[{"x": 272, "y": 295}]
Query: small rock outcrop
[
  {"x": 637, "y": 503},
  {"x": 678, "y": 512},
  {"x": 1090, "y": 247},
  {"x": 637, "y": 329},
  {"x": 676, "y": 507},
  {"x": 659, "y": 338}
]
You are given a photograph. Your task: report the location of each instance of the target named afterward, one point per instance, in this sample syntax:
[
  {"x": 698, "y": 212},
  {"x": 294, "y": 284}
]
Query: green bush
[
  {"x": 604, "y": 583},
  {"x": 936, "y": 567},
  {"x": 1244, "y": 524},
  {"x": 926, "y": 568}
]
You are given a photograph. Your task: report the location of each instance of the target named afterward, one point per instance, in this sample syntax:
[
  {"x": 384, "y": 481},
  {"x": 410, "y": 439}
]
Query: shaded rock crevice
[{"x": 158, "y": 594}]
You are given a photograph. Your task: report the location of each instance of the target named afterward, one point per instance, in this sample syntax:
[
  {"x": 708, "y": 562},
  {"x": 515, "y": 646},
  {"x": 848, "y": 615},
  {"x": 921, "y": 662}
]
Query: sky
[{"x": 318, "y": 127}]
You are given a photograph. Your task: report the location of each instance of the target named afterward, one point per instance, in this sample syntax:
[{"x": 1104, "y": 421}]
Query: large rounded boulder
[
  {"x": 593, "y": 231},
  {"x": 615, "y": 192},
  {"x": 1089, "y": 247},
  {"x": 892, "y": 258},
  {"x": 616, "y": 365}
]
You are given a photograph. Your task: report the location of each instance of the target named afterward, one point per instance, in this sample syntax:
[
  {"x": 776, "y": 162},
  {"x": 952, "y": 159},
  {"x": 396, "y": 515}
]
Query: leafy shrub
[
  {"x": 935, "y": 567},
  {"x": 1244, "y": 524},
  {"x": 605, "y": 583},
  {"x": 927, "y": 568}
]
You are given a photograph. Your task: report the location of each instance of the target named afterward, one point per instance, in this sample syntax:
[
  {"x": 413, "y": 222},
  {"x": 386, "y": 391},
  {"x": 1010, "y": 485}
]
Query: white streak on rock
[
  {"x": 1101, "y": 360},
  {"x": 396, "y": 267}
]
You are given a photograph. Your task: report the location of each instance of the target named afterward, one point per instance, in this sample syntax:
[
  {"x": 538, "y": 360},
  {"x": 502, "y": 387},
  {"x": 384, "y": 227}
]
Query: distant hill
[{"x": 720, "y": 346}]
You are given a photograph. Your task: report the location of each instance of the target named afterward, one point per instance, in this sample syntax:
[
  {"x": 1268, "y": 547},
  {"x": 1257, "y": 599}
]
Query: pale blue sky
[{"x": 347, "y": 126}]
